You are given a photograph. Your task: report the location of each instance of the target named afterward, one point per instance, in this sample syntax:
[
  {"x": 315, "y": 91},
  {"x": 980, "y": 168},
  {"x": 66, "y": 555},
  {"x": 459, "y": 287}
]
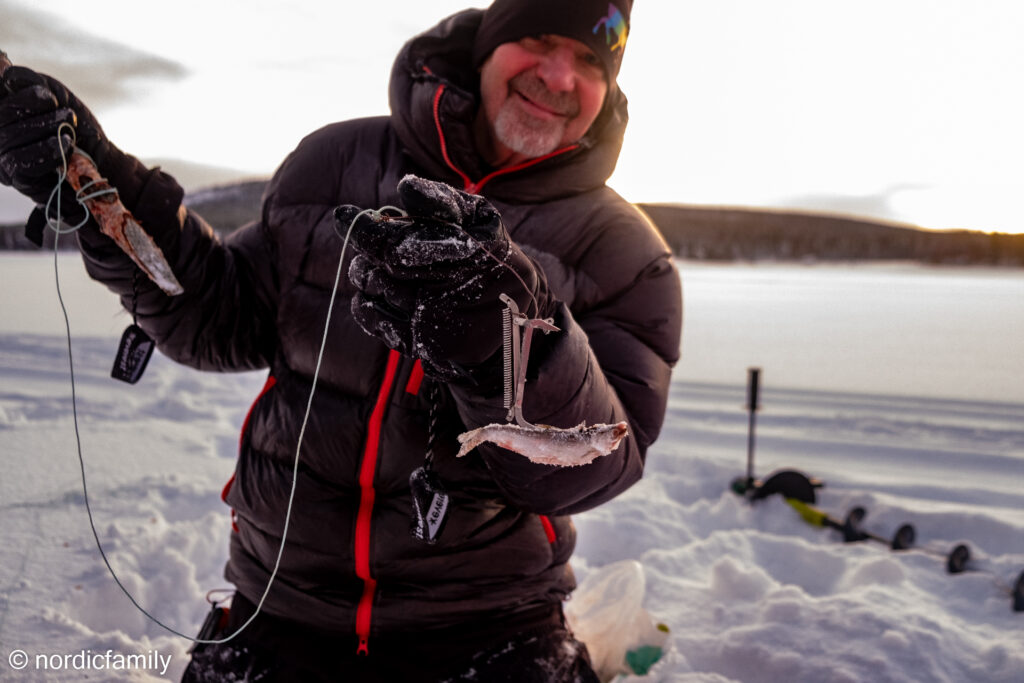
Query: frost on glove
[{"x": 428, "y": 284}]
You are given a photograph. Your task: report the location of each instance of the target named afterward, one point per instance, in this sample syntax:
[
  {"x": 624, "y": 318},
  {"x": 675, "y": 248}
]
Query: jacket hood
[{"x": 434, "y": 96}]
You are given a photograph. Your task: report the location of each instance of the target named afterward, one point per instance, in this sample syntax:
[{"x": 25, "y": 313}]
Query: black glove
[
  {"x": 429, "y": 283},
  {"x": 32, "y": 107}
]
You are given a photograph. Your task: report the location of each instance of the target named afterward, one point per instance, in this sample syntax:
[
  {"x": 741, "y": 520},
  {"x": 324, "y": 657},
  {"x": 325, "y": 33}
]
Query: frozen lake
[
  {"x": 897, "y": 329},
  {"x": 901, "y": 329}
]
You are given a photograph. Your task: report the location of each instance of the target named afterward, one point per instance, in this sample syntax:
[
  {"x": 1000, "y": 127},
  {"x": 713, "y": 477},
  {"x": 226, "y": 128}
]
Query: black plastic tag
[
  {"x": 430, "y": 505},
  {"x": 132, "y": 355},
  {"x": 35, "y": 226}
]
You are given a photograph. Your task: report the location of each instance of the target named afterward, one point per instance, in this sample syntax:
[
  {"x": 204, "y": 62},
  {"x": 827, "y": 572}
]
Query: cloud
[
  {"x": 876, "y": 205},
  {"x": 100, "y": 71}
]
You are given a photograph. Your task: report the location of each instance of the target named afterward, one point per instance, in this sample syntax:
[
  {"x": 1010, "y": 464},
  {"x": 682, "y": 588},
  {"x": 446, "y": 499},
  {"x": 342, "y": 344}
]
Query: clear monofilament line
[
  {"x": 55, "y": 226},
  {"x": 305, "y": 417},
  {"x": 509, "y": 268},
  {"x": 81, "y": 197}
]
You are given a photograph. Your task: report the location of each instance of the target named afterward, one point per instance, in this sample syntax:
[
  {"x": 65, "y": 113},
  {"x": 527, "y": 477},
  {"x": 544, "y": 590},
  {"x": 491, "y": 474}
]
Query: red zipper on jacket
[
  {"x": 367, "y": 495},
  {"x": 467, "y": 183}
]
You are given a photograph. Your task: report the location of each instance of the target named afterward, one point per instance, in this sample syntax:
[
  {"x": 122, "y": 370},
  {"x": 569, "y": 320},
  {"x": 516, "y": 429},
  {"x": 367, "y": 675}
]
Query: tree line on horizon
[
  {"x": 735, "y": 234},
  {"x": 704, "y": 233}
]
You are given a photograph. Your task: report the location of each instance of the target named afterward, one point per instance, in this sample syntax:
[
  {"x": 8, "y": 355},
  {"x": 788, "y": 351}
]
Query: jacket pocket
[{"x": 242, "y": 438}]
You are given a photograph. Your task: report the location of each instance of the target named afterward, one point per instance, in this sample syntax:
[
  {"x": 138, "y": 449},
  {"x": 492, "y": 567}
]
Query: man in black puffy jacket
[{"x": 504, "y": 126}]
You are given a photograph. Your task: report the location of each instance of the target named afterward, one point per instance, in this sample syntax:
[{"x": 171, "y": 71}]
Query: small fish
[
  {"x": 549, "y": 445},
  {"x": 114, "y": 219},
  {"x": 119, "y": 224}
]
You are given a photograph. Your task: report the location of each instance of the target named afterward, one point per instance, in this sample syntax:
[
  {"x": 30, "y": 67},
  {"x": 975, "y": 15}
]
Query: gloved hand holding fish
[
  {"x": 445, "y": 284},
  {"x": 47, "y": 133},
  {"x": 429, "y": 283}
]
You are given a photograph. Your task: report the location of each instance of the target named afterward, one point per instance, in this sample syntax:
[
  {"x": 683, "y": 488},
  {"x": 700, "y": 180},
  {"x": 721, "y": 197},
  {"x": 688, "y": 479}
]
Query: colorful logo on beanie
[{"x": 614, "y": 28}]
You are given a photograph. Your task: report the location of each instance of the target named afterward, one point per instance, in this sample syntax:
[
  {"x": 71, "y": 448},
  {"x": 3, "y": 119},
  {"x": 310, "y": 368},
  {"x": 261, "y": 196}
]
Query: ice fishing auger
[{"x": 799, "y": 491}]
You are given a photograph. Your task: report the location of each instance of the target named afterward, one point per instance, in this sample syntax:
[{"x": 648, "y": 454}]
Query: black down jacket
[{"x": 259, "y": 299}]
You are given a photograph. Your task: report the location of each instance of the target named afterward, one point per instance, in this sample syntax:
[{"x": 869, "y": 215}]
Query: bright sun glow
[{"x": 895, "y": 110}]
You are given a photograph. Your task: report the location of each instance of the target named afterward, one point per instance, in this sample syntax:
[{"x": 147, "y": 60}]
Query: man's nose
[{"x": 557, "y": 70}]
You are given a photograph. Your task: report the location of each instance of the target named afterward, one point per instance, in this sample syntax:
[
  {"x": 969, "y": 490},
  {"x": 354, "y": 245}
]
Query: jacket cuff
[{"x": 150, "y": 194}]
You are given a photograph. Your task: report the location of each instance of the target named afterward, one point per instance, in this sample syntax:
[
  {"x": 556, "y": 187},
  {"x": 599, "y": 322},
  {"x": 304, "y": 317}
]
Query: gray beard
[{"x": 526, "y": 135}]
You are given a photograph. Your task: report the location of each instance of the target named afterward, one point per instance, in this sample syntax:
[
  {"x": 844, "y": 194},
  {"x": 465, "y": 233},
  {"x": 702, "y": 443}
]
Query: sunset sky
[{"x": 907, "y": 109}]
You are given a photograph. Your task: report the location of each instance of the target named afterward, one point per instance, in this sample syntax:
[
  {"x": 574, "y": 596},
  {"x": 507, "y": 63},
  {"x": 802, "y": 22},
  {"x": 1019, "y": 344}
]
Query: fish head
[{"x": 611, "y": 435}]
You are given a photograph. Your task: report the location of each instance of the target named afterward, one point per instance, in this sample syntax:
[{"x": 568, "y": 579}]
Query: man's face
[{"x": 537, "y": 95}]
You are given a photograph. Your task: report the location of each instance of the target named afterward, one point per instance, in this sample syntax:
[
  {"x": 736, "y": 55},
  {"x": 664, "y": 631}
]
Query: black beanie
[{"x": 601, "y": 25}]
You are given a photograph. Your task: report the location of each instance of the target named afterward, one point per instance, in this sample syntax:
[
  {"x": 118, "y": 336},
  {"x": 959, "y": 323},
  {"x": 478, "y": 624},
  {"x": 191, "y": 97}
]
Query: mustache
[{"x": 530, "y": 86}]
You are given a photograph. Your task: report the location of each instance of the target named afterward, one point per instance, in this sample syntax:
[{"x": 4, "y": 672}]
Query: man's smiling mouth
[
  {"x": 536, "y": 99},
  {"x": 540, "y": 108}
]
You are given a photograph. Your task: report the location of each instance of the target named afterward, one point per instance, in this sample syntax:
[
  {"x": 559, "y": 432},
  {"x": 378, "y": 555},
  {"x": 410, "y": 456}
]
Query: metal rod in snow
[{"x": 753, "y": 405}]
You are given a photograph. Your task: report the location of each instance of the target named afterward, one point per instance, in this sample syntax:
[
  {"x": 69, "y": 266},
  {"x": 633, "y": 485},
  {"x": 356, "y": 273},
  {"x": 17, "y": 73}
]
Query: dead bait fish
[
  {"x": 549, "y": 445},
  {"x": 114, "y": 219},
  {"x": 119, "y": 224}
]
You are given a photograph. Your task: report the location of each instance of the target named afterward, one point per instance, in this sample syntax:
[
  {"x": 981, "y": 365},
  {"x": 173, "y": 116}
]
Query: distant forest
[
  {"x": 704, "y": 233},
  {"x": 730, "y": 234}
]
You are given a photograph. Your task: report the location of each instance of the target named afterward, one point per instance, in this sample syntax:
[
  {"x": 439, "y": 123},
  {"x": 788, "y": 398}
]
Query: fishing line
[
  {"x": 510, "y": 269},
  {"x": 55, "y": 226},
  {"x": 377, "y": 214}
]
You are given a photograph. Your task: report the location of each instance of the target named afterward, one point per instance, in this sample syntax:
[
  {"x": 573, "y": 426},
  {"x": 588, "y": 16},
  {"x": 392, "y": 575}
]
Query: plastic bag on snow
[{"x": 606, "y": 612}]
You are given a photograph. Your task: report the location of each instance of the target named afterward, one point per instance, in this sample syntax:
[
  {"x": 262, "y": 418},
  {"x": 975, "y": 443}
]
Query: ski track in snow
[{"x": 750, "y": 592}]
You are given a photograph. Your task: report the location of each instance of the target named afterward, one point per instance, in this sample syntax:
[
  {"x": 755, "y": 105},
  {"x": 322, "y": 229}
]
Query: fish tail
[{"x": 469, "y": 441}]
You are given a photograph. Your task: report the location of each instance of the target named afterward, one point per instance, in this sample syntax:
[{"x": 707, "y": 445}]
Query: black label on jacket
[
  {"x": 132, "y": 355},
  {"x": 429, "y": 504},
  {"x": 35, "y": 226}
]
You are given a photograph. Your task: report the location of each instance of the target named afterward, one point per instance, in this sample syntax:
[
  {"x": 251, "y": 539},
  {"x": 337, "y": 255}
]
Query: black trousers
[{"x": 532, "y": 647}]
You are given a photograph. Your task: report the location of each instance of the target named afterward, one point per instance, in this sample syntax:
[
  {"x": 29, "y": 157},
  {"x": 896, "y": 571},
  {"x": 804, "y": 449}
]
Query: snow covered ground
[{"x": 901, "y": 386}]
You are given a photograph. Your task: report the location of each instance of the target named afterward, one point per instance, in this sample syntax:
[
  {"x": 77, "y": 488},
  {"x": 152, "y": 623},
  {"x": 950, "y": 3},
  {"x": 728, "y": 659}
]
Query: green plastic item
[{"x": 643, "y": 658}]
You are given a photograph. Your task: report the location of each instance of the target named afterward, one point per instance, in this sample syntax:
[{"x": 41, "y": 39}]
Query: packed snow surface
[{"x": 902, "y": 387}]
